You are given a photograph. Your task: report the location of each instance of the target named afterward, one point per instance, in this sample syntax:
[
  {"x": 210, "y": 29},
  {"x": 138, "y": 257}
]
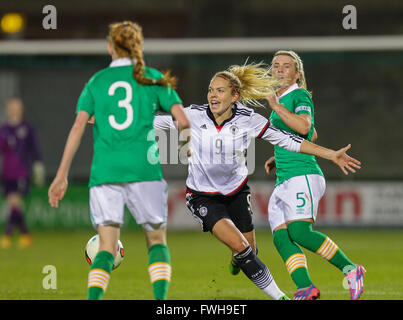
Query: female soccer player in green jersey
[
  {"x": 124, "y": 98},
  {"x": 300, "y": 185}
]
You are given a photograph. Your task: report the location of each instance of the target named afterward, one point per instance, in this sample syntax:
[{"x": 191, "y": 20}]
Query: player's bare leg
[{"x": 250, "y": 237}]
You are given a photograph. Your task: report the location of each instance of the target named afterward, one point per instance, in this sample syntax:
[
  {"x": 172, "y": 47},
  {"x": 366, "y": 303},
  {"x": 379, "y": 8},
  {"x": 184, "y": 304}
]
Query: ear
[
  {"x": 110, "y": 49},
  {"x": 297, "y": 76},
  {"x": 235, "y": 97}
]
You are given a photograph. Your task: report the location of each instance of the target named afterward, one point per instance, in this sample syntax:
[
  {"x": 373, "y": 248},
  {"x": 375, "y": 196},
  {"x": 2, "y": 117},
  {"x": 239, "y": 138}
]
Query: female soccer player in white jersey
[
  {"x": 221, "y": 131},
  {"x": 300, "y": 185},
  {"x": 124, "y": 98}
]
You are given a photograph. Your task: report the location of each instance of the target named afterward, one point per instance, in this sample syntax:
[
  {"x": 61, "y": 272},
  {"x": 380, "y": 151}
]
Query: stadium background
[{"x": 357, "y": 95}]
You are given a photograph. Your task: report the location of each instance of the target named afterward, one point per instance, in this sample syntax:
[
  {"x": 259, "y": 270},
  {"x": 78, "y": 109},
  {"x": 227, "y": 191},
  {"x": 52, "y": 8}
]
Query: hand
[
  {"x": 91, "y": 120},
  {"x": 270, "y": 165},
  {"x": 57, "y": 191},
  {"x": 344, "y": 161},
  {"x": 272, "y": 100}
]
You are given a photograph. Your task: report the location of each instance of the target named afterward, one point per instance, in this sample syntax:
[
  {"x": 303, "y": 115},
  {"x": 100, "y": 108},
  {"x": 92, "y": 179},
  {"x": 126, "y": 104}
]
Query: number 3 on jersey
[{"x": 125, "y": 103}]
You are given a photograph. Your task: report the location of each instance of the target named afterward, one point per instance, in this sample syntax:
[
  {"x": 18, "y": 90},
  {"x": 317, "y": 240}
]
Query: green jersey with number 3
[
  {"x": 125, "y": 149},
  {"x": 291, "y": 164}
]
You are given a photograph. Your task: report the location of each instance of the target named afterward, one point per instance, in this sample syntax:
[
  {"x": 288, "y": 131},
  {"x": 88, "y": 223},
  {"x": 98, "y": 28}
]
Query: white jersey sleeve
[
  {"x": 264, "y": 130},
  {"x": 163, "y": 122}
]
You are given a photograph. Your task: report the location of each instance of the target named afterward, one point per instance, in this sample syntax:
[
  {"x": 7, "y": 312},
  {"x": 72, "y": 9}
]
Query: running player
[
  {"x": 21, "y": 162},
  {"x": 300, "y": 185},
  {"x": 217, "y": 191},
  {"x": 124, "y": 98}
]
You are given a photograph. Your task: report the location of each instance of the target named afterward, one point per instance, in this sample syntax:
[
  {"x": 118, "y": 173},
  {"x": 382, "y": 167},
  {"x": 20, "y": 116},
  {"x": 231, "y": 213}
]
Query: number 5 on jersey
[
  {"x": 124, "y": 103},
  {"x": 300, "y": 202}
]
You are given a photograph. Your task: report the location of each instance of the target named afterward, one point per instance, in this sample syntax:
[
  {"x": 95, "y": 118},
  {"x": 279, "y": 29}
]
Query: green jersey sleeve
[
  {"x": 167, "y": 97},
  {"x": 303, "y": 102},
  {"x": 86, "y": 101}
]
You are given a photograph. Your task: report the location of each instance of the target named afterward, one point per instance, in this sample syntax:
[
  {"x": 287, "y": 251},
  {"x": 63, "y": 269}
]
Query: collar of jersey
[
  {"x": 291, "y": 88},
  {"x": 121, "y": 62},
  {"x": 211, "y": 116}
]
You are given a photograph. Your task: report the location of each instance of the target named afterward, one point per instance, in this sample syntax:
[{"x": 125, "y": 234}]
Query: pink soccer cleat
[
  {"x": 310, "y": 293},
  {"x": 355, "y": 280}
]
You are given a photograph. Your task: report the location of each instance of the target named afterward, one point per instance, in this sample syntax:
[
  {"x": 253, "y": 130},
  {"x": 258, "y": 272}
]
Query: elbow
[{"x": 305, "y": 130}]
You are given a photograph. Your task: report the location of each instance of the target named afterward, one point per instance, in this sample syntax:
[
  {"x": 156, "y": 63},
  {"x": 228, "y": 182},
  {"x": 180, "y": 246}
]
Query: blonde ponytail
[{"x": 251, "y": 82}]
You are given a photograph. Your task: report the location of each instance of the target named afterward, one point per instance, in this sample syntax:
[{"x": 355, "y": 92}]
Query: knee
[
  {"x": 154, "y": 237},
  {"x": 239, "y": 245}
]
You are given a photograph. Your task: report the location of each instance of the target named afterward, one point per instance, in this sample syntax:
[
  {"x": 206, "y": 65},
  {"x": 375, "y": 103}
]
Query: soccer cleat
[
  {"x": 284, "y": 298},
  {"x": 5, "y": 242},
  {"x": 355, "y": 279},
  {"x": 25, "y": 241},
  {"x": 310, "y": 293},
  {"x": 234, "y": 268}
]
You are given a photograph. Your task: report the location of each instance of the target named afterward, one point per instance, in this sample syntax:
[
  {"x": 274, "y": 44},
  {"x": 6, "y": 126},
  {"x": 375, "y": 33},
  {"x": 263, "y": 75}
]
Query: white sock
[{"x": 272, "y": 290}]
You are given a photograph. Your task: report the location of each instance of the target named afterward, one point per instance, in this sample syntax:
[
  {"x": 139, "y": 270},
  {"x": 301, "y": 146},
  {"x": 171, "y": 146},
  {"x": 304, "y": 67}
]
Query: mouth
[{"x": 214, "y": 104}]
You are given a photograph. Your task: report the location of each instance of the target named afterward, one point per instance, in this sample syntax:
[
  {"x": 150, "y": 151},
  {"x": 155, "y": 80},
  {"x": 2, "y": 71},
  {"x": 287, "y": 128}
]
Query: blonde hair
[
  {"x": 299, "y": 66},
  {"x": 127, "y": 40},
  {"x": 251, "y": 82}
]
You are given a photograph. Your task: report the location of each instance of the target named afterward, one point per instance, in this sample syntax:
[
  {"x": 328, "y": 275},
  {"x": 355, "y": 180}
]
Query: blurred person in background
[
  {"x": 21, "y": 162},
  {"x": 121, "y": 101},
  {"x": 300, "y": 185}
]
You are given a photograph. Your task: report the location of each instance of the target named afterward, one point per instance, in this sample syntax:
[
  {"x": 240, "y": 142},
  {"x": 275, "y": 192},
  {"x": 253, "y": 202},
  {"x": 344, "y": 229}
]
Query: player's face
[
  {"x": 284, "y": 69},
  {"x": 220, "y": 96},
  {"x": 14, "y": 110}
]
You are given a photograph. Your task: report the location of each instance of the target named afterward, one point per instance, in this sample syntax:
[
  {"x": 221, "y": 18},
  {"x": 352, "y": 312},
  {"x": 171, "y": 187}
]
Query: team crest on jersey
[
  {"x": 21, "y": 132},
  {"x": 234, "y": 129},
  {"x": 203, "y": 211}
]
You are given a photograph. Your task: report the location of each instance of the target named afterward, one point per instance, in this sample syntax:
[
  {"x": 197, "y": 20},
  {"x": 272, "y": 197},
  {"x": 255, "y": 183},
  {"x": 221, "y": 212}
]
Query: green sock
[
  {"x": 293, "y": 257},
  {"x": 99, "y": 275},
  {"x": 159, "y": 268},
  {"x": 301, "y": 232}
]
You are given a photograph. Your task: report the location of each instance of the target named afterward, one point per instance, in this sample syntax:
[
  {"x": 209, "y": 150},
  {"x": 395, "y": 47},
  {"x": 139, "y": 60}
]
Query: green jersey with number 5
[
  {"x": 125, "y": 149},
  {"x": 290, "y": 164}
]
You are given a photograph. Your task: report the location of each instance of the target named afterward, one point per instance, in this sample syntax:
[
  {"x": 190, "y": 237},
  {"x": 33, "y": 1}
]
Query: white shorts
[
  {"x": 296, "y": 198},
  {"x": 146, "y": 201}
]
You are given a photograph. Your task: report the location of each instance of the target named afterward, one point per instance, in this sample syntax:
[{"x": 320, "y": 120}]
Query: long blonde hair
[
  {"x": 127, "y": 40},
  {"x": 299, "y": 66},
  {"x": 251, "y": 82}
]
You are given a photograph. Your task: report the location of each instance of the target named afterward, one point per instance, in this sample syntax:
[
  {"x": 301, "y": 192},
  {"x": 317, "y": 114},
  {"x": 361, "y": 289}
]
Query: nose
[{"x": 212, "y": 94}]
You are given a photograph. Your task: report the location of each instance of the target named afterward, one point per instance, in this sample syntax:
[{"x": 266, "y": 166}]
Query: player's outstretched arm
[
  {"x": 59, "y": 185},
  {"x": 339, "y": 157}
]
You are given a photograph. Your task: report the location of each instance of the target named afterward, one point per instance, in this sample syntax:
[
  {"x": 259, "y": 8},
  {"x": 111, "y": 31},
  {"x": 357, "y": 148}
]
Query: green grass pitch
[{"x": 200, "y": 267}]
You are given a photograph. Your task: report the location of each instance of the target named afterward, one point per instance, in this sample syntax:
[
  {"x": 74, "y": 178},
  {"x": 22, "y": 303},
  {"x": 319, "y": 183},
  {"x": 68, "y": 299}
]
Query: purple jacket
[{"x": 19, "y": 148}]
